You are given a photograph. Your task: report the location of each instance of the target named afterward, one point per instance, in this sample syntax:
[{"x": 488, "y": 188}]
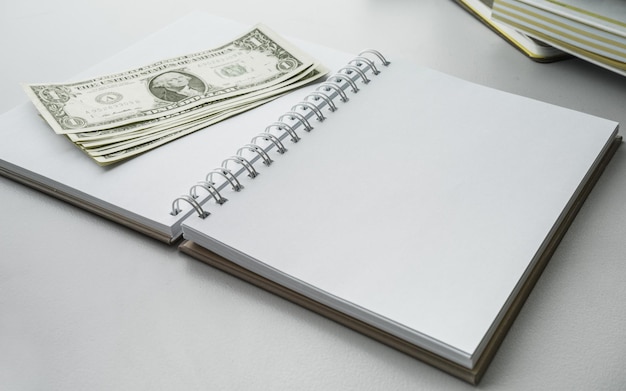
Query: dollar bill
[
  {"x": 116, "y": 155},
  {"x": 126, "y": 132},
  {"x": 255, "y": 61},
  {"x": 119, "y": 116},
  {"x": 145, "y": 140}
]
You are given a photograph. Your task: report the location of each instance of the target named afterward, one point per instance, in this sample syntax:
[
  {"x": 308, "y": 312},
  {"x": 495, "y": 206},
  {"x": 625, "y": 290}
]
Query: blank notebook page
[{"x": 417, "y": 206}]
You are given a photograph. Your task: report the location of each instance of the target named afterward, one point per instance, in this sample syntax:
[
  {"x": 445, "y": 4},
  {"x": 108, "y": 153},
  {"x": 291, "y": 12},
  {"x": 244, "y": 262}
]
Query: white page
[
  {"x": 144, "y": 188},
  {"x": 417, "y": 206}
]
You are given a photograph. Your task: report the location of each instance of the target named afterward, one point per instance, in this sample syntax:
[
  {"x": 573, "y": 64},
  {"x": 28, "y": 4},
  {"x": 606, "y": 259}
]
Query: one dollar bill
[{"x": 255, "y": 61}]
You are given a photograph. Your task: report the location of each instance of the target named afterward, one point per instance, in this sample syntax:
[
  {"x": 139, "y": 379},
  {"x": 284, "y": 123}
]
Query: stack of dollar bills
[{"x": 118, "y": 116}]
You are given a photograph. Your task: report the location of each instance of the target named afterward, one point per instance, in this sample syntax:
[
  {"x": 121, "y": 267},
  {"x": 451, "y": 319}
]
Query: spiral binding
[
  {"x": 272, "y": 138},
  {"x": 208, "y": 186}
]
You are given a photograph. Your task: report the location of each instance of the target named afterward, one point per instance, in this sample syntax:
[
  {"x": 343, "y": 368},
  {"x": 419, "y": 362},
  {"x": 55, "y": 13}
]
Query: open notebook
[{"x": 419, "y": 210}]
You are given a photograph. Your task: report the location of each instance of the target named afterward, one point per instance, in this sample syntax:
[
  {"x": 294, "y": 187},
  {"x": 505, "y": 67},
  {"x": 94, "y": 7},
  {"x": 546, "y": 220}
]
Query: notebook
[
  {"x": 420, "y": 212},
  {"x": 592, "y": 30},
  {"x": 409, "y": 205},
  {"x": 532, "y": 48}
]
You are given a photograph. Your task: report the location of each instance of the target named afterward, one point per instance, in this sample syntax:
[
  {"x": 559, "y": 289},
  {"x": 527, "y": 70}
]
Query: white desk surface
[{"x": 86, "y": 304}]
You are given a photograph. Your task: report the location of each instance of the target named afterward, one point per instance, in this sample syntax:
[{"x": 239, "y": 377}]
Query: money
[
  {"x": 117, "y": 116},
  {"x": 116, "y": 153},
  {"x": 94, "y": 138}
]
